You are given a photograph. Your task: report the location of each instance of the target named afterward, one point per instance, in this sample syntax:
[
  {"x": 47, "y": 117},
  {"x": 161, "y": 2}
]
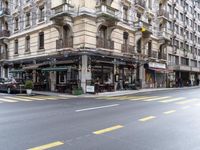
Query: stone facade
[{"x": 135, "y": 39}]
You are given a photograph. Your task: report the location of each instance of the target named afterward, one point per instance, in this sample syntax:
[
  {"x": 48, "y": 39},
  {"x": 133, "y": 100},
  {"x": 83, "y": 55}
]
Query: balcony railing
[
  {"x": 127, "y": 49},
  {"x": 140, "y": 3},
  {"x": 163, "y": 13},
  {"x": 4, "y": 33},
  {"x": 164, "y": 35},
  {"x": 162, "y": 56},
  {"x": 63, "y": 9},
  {"x": 67, "y": 43},
  {"x": 105, "y": 10},
  {"x": 3, "y": 56},
  {"x": 152, "y": 54},
  {"x": 4, "y": 11},
  {"x": 105, "y": 43}
]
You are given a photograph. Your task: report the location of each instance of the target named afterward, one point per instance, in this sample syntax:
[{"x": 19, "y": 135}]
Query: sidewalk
[{"x": 116, "y": 93}]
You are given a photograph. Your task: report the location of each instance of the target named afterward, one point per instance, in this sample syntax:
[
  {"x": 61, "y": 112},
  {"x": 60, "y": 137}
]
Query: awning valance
[
  {"x": 161, "y": 70},
  {"x": 17, "y": 71},
  {"x": 55, "y": 69}
]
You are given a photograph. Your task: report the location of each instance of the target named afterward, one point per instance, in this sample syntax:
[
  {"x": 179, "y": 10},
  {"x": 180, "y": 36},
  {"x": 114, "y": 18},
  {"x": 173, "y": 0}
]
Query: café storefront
[
  {"x": 94, "y": 73},
  {"x": 155, "y": 75}
]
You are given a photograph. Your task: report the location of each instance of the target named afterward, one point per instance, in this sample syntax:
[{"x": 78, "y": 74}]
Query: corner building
[{"x": 114, "y": 44}]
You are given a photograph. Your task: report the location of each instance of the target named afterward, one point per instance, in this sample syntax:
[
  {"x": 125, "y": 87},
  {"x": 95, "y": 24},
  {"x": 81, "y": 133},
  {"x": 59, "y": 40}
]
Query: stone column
[
  {"x": 142, "y": 76},
  {"x": 85, "y": 73}
]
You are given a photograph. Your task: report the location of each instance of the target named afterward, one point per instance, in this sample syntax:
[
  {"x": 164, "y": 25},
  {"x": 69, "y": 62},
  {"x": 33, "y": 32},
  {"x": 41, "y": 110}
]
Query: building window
[
  {"x": 41, "y": 40},
  {"x": 181, "y": 31},
  {"x": 150, "y": 4},
  {"x": 62, "y": 77},
  {"x": 16, "y": 28},
  {"x": 41, "y": 13},
  {"x": 184, "y": 61},
  {"x": 16, "y": 47},
  {"x": 28, "y": 19},
  {"x": 27, "y": 44},
  {"x": 125, "y": 13}
]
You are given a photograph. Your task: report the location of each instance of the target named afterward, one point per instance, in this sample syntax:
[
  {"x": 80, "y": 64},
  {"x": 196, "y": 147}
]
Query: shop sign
[
  {"x": 90, "y": 89},
  {"x": 157, "y": 65}
]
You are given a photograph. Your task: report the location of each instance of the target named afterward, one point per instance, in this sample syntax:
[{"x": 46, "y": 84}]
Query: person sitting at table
[{"x": 109, "y": 81}]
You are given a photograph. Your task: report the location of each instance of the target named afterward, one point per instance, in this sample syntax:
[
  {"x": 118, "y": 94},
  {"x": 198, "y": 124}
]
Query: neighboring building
[
  {"x": 60, "y": 44},
  {"x": 183, "y": 57}
]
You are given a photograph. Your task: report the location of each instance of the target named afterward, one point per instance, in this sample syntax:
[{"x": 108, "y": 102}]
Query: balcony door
[
  {"x": 103, "y": 36},
  {"x": 66, "y": 36}
]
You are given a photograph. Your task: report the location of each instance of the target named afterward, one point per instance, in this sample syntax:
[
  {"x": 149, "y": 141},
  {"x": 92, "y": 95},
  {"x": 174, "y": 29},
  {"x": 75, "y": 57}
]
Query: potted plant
[
  {"x": 29, "y": 87},
  {"x": 77, "y": 90}
]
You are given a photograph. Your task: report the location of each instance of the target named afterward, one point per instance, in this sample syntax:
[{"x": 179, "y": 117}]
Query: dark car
[{"x": 11, "y": 86}]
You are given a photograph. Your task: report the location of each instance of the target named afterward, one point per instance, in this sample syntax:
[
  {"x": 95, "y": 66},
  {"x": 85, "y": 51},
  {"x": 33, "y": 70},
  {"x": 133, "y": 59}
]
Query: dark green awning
[
  {"x": 17, "y": 71},
  {"x": 55, "y": 69}
]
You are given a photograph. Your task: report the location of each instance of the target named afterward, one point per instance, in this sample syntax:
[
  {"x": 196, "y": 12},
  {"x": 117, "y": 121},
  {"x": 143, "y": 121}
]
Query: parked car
[{"x": 11, "y": 86}]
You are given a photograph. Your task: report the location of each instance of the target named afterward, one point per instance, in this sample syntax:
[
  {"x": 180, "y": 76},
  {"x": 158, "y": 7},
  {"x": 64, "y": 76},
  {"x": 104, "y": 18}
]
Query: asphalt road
[{"x": 163, "y": 120}]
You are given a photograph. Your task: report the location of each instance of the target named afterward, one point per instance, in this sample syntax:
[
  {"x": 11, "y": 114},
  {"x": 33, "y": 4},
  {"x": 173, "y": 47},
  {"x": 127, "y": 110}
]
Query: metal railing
[
  {"x": 140, "y": 3},
  {"x": 67, "y": 43},
  {"x": 162, "y": 56},
  {"x": 4, "y": 11},
  {"x": 152, "y": 54},
  {"x": 105, "y": 43},
  {"x": 3, "y": 56},
  {"x": 127, "y": 48},
  {"x": 4, "y": 33},
  {"x": 163, "y": 13}
]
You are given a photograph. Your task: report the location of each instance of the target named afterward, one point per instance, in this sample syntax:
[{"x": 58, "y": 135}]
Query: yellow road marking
[
  {"x": 108, "y": 129},
  {"x": 141, "y": 98},
  {"x": 170, "y": 112},
  {"x": 47, "y": 146},
  {"x": 186, "y": 101},
  {"x": 29, "y": 98},
  {"x": 8, "y": 100},
  {"x": 172, "y": 100},
  {"x": 18, "y": 99},
  {"x": 155, "y": 99},
  {"x": 147, "y": 118}
]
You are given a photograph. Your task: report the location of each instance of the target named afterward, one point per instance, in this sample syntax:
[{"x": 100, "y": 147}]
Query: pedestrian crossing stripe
[
  {"x": 18, "y": 99},
  {"x": 172, "y": 100},
  {"x": 7, "y": 100},
  {"x": 159, "y": 98},
  {"x": 186, "y": 101},
  {"x": 30, "y": 98},
  {"x": 141, "y": 98}
]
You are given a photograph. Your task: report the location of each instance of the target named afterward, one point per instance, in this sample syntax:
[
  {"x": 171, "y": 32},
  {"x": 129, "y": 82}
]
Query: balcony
[
  {"x": 4, "y": 12},
  {"x": 144, "y": 27},
  {"x": 163, "y": 15},
  {"x": 4, "y": 34},
  {"x": 163, "y": 1},
  {"x": 105, "y": 43},
  {"x": 140, "y": 5},
  {"x": 164, "y": 36},
  {"x": 61, "y": 11},
  {"x": 61, "y": 44},
  {"x": 162, "y": 56},
  {"x": 153, "y": 54},
  {"x": 107, "y": 12},
  {"x": 127, "y": 49}
]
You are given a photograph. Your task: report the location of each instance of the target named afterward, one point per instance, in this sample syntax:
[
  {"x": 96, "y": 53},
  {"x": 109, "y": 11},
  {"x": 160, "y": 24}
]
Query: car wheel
[{"x": 8, "y": 90}]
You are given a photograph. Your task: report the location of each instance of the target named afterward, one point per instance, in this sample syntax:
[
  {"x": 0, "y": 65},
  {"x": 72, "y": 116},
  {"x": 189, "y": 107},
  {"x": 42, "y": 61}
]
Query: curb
[{"x": 114, "y": 94}]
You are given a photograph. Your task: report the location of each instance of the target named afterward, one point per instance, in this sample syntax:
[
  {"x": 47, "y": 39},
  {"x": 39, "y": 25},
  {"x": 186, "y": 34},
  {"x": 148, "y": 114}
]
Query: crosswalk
[
  {"x": 15, "y": 99},
  {"x": 160, "y": 99}
]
